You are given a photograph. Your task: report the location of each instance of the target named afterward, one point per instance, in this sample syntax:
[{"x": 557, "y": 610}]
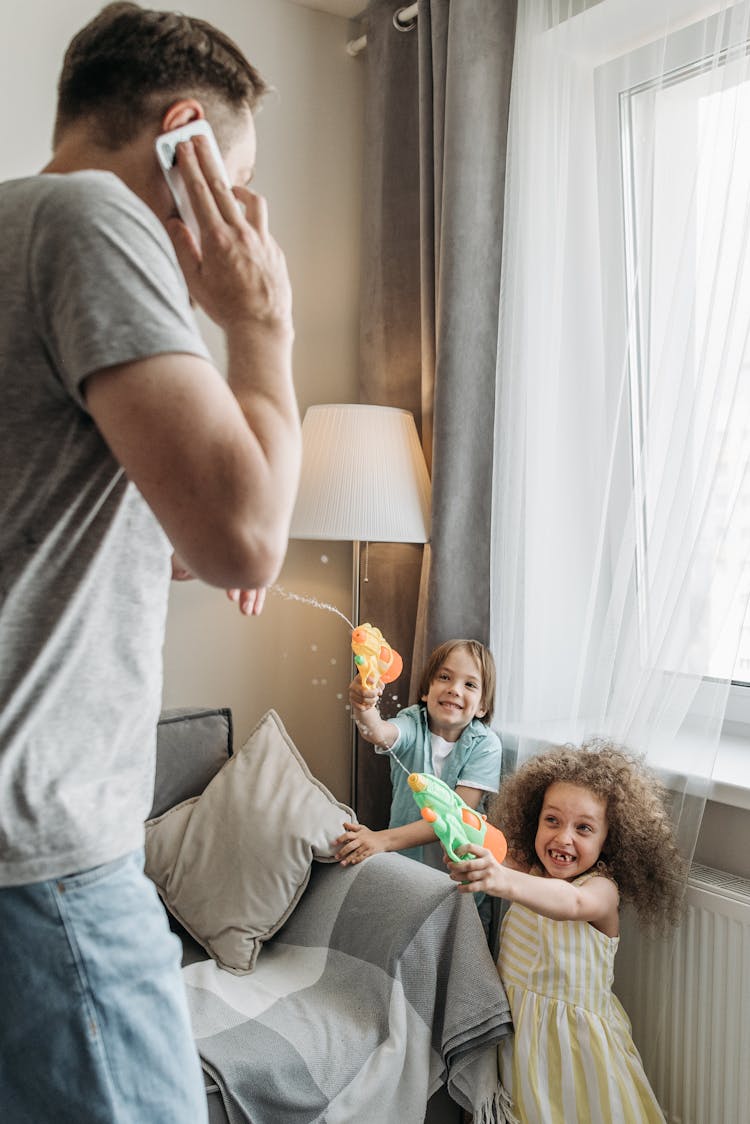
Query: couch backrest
[{"x": 191, "y": 747}]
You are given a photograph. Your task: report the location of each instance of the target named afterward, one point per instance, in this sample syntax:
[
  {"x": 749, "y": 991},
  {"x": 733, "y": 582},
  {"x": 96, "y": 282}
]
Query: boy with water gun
[{"x": 446, "y": 735}]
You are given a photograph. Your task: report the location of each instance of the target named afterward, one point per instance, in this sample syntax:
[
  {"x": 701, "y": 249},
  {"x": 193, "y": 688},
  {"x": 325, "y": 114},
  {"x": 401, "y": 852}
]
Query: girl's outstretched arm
[{"x": 596, "y": 901}]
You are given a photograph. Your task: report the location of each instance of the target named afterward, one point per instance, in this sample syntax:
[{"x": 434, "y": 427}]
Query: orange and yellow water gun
[
  {"x": 453, "y": 821},
  {"x": 376, "y": 660}
]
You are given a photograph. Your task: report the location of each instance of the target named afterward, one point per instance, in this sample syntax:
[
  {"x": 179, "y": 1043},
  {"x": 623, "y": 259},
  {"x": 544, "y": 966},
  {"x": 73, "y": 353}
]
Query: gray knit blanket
[{"x": 379, "y": 988}]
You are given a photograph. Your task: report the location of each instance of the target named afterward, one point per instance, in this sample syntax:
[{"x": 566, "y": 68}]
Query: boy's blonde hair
[{"x": 484, "y": 661}]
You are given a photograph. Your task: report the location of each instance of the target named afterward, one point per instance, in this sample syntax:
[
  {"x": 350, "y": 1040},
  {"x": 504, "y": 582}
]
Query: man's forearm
[
  {"x": 220, "y": 489},
  {"x": 260, "y": 376}
]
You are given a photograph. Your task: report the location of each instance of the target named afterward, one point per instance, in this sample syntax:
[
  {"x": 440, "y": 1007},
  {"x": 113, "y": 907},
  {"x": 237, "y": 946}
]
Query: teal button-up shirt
[{"x": 474, "y": 760}]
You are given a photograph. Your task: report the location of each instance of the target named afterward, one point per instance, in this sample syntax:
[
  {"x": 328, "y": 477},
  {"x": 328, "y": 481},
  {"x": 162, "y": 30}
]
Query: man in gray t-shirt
[
  {"x": 121, "y": 445},
  {"x": 85, "y": 565}
]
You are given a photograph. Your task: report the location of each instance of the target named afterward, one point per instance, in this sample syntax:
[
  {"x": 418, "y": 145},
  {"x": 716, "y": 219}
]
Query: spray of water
[
  {"x": 396, "y": 758},
  {"x": 399, "y": 762},
  {"x": 331, "y": 609},
  {"x": 310, "y": 601}
]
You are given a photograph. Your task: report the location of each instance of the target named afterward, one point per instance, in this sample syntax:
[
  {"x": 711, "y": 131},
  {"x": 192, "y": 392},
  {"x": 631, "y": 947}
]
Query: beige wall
[
  {"x": 293, "y": 658},
  {"x": 309, "y": 168}
]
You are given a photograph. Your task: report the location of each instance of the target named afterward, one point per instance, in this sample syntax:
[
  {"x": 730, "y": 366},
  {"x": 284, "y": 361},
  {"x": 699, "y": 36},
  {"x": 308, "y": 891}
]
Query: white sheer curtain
[{"x": 622, "y": 481}]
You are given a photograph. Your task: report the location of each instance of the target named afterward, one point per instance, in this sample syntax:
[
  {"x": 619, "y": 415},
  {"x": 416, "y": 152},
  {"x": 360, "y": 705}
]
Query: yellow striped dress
[{"x": 573, "y": 1059}]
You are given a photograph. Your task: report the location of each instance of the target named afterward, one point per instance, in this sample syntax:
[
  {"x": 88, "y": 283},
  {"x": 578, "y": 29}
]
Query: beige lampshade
[{"x": 363, "y": 476}]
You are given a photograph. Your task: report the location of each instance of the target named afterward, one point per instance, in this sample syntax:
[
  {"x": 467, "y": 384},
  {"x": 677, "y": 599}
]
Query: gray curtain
[
  {"x": 435, "y": 139},
  {"x": 466, "y": 50}
]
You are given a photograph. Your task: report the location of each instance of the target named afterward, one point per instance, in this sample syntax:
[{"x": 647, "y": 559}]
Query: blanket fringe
[{"x": 497, "y": 1110}]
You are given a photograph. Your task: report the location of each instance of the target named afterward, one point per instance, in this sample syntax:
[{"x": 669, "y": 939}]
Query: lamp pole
[
  {"x": 355, "y": 622},
  {"x": 337, "y": 499}
]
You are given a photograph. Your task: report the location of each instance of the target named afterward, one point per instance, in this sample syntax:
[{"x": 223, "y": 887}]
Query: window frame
[{"x": 663, "y": 62}]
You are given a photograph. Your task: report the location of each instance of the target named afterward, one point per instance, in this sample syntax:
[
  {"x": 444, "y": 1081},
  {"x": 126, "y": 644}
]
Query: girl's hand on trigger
[
  {"x": 482, "y": 874},
  {"x": 357, "y": 843}
]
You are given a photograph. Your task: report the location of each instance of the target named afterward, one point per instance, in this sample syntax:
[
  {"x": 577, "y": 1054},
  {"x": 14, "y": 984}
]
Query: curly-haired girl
[{"x": 585, "y": 828}]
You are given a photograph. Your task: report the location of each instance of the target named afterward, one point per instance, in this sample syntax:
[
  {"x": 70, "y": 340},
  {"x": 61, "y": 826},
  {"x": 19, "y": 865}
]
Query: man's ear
[{"x": 181, "y": 113}]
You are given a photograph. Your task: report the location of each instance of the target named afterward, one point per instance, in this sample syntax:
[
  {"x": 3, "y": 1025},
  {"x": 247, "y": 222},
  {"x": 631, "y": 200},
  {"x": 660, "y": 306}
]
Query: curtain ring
[{"x": 412, "y": 23}]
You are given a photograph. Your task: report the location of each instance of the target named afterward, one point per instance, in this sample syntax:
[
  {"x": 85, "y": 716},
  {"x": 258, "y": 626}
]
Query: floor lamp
[{"x": 364, "y": 478}]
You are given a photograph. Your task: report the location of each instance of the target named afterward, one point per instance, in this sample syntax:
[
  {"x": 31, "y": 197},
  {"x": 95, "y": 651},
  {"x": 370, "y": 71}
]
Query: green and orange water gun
[{"x": 453, "y": 821}]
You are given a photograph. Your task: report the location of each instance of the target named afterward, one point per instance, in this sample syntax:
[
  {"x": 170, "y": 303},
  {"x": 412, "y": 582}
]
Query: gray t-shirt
[{"x": 88, "y": 279}]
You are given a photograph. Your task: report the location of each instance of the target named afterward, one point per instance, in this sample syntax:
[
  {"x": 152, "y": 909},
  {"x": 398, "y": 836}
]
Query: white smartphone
[{"x": 166, "y": 145}]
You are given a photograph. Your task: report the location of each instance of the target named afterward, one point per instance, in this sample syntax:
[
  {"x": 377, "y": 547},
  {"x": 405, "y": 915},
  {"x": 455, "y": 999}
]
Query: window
[{"x": 675, "y": 187}]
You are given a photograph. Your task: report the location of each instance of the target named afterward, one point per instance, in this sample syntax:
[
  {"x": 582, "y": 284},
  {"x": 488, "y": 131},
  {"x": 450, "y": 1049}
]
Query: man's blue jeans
[{"x": 94, "y": 1027}]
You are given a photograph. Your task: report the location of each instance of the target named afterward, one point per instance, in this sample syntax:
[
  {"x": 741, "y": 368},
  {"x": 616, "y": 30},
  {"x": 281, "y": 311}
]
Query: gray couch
[{"x": 192, "y": 745}]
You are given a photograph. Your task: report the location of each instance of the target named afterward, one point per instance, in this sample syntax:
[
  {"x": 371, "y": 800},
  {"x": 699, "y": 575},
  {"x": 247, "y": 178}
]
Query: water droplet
[
  {"x": 324, "y": 559},
  {"x": 347, "y": 707},
  {"x": 333, "y": 662},
  {"x": 324, "y": 682},
  {"x": 395, "y": 698},
  {"x": 314, "y": 682},
  {"x": 339, "y": 695},
  {"x": 313, "y": 647}
]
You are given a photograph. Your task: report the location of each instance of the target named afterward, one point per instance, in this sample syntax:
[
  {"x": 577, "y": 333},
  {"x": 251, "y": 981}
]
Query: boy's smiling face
[{"x": 455, "y": 695}]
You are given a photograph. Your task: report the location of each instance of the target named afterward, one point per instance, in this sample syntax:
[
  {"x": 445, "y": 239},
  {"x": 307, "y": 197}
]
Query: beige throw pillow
[{"x": 231, "y": 864}]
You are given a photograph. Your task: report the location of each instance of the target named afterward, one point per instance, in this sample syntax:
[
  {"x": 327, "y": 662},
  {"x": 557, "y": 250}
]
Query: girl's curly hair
[{"x": 640, "y": 851}]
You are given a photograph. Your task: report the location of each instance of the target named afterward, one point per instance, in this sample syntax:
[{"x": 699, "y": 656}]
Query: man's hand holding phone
[
  {"x": 238, "y": 275},
  {"x": 235, "y": 271}
]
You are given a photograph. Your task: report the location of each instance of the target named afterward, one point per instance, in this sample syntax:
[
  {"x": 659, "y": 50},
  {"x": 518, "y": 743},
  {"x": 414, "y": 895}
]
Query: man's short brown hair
[{"x": 129, "y": 64}]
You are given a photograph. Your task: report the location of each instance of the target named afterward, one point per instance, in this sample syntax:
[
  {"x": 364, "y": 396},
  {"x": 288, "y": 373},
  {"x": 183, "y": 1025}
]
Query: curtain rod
[{"x": 403, "y": 20}]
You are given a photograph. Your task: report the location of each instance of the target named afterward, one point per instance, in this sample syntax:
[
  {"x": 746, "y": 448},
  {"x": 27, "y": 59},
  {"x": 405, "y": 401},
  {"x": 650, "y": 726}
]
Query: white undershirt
[{"x": 440, "y": 751}]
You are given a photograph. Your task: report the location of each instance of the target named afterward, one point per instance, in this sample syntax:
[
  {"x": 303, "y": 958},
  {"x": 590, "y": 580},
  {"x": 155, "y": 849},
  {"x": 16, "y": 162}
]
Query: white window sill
[{"x": 730, "y": 781}]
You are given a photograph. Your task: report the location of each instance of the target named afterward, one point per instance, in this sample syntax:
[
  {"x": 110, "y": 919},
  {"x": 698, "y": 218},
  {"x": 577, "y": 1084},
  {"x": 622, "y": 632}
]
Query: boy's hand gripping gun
[
  {"x": 454, "y": 822},
  {"x": 375, "y": 658}
]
